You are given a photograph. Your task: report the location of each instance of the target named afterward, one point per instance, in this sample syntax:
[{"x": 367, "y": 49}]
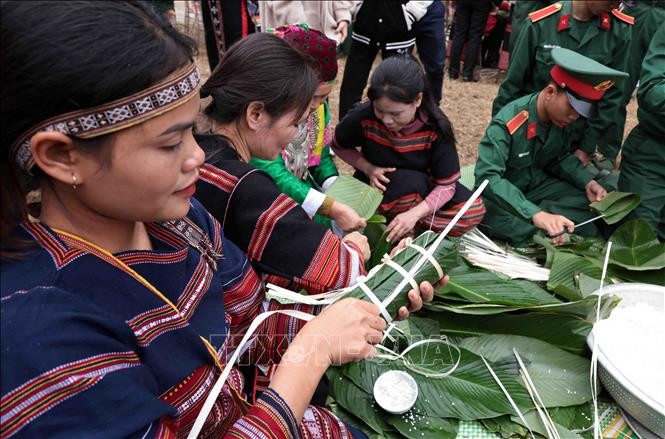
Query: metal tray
[{"x": 635, "y": 401}]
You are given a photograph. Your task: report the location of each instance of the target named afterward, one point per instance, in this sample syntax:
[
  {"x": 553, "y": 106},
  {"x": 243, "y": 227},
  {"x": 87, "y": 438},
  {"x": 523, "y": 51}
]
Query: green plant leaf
[
  {"x": 363, "y": 198},
  {"x": 478, "y": 285},
  {"x": 616, "y": 205},
  {"x": 635, "y": 246},
  {"x": 533, "y": 419},
  {"x": 376, "y": 238},
  {"x": 356, "y": 401},
  {"x": 415, "y": 426},
  {"x": 565, "y": 272},
  {"x": 505, "y": 427},
  {"x": 376, "y": 219},
  {"x": 469, "y": 393},
  {"x": 565, "y": 326},
  {"x": 561, "y": 378}
]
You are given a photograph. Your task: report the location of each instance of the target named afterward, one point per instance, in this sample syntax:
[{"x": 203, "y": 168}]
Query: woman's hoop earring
[{"x": 74, "y": 186}]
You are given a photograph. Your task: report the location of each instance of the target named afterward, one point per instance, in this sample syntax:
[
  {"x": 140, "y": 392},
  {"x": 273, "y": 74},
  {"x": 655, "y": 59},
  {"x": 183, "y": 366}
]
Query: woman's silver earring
[{"x": 74, "y": 186}]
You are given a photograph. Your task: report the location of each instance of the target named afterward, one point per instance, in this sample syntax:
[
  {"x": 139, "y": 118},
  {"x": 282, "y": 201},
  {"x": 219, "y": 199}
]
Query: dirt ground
[{"x": 468, "y": 105}]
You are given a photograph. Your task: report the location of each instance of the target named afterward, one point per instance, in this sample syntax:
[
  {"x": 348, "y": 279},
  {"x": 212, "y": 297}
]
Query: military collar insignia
[
  {"x": 564, "y": 22},
  {"x": 531, "y": 130},
  {"x": 605, "y": 23}
]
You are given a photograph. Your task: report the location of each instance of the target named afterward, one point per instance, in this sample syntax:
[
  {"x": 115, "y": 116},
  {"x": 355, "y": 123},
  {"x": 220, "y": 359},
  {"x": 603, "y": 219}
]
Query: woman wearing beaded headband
[
  {"x": 260, "y": 93},
  {"x": 112, "y": 323}
]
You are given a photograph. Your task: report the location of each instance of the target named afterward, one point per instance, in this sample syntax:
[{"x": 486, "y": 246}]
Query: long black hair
[
  {"x": 400, "y": 79},
  {"x": 64, "y": 56},
  {"x": 260, "y": 68}
]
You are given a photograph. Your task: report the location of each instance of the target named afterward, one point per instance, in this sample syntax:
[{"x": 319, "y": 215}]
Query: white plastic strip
[
  {"x": 545, "y": 418},
  {"x": 375, "y": 300},
  {"x": 430, "y": 258},
  {"x": 405, "y": 274},
  {"x": 393, "y": 356},
  {"x": 510, "y": 398},
  {"x": 593, "y": 374},
  {"x": 219, "y": 384}
]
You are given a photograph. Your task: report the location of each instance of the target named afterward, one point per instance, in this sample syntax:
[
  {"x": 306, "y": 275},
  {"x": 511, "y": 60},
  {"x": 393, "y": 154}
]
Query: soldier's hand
[
  {"x": 553, "y": 225},
  {"x": 594, "y": 191},
  {"x": 583, "y": 156}
]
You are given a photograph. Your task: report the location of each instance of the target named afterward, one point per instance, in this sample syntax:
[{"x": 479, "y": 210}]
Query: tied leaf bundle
[{"x": 384, "y": 279}]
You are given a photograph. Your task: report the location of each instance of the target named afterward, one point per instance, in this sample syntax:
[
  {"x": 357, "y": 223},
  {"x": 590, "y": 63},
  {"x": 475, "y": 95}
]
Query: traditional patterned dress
[
  {"x": 274, "y": 232},
  {"x": 89, "y": 351},
  {"x": 426, "y": 165},
  {"x": 305, "y": 168}
]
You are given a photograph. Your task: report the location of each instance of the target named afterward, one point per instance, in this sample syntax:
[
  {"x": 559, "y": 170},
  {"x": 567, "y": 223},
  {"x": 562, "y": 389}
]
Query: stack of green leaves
[{"x": 487, "y": 314}]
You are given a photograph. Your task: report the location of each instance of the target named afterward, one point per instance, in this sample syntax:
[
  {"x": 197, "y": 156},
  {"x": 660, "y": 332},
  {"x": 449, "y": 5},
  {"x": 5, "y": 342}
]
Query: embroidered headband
[{"x": 122, "y": 113}]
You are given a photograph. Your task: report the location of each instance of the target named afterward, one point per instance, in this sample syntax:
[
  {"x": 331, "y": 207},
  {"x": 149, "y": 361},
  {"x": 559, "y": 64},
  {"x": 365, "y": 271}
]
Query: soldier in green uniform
[
  {"x": 535, "y": 181},
  {"x": 519, "y": 15},
  {"x": 649, "y": 15},
  {"x": 591, "y": 28},
  {"x": 643, "y": 157}
]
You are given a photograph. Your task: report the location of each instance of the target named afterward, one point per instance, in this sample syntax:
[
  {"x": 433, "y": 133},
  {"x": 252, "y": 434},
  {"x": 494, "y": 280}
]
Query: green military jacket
[
  {"x": 605, "y": 39},
  {"x": 651, "y": 94},
  {"x": 531, "y": 156}
]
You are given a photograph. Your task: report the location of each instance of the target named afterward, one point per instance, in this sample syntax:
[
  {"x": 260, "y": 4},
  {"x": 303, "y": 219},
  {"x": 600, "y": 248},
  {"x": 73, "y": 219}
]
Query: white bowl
[
  {"x": 639, "y": 402},
  {"x": 395, "y": 391}
]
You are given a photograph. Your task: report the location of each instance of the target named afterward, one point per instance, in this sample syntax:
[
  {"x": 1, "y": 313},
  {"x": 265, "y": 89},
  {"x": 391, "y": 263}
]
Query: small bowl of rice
[{"x": 395, "y": 391}]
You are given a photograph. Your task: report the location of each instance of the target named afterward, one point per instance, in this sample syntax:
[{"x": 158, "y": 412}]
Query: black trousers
[
  {"x": 470, "y": 19},
  {"x": 356, "y": 72},
  {"x": 492, "y": 43}
]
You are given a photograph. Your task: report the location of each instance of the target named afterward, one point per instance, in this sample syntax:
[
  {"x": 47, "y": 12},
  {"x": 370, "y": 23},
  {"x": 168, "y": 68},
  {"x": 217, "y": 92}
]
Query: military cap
[{"x": 584, "y": 79}]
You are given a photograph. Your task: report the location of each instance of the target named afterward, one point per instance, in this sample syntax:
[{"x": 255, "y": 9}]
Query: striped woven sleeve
[
  {"x": 244, "y": 300},
  {"x": 274, "y": 232},
  {"x": 69, "y": 371},
  {"x": 270, "y": 417}
]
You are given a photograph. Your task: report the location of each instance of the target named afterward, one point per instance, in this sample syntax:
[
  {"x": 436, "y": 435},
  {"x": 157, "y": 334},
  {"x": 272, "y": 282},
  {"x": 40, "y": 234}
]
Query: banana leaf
[
  {"x": 635, "y": 246},
  {"x": 386, "y": 279},
  {"x": 363, "y": 198},
  {"x": 469, "y": 393},
  {"x": 504, "y": 427},
  {"x": 478, "y": 285},
  {"x": 565, "y": 273},
  {"x": 616, "y": 205},
  {"x": 376, "y": 238},
  {"x": 561, "y": 378},
  {"x": 567, "y": 332},
  {"x": 415, "y": 426},
  {"x": 536, "y": 425},
  {"x": 357, "y": 401},
  {"x": 585, "y": 308}
]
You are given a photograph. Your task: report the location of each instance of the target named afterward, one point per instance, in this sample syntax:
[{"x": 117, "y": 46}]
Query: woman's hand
[
  {"x": 342, "y": 30},
  {"x": 553, "y": 224},
  {"x": 346, "y": 218},
  {"x": 402, "y": 225},
  {"x": 345, "y": 331},
  {"x": 377, "y": 176},
  {"x": 417, "y": 298},
  {"x": 361, "y": 241},
  {"x": 594, "y": 191}
]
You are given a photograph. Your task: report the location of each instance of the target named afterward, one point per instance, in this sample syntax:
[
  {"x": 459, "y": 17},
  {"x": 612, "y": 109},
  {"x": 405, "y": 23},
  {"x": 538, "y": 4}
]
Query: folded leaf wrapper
[{"x": 383, "y": 279}]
